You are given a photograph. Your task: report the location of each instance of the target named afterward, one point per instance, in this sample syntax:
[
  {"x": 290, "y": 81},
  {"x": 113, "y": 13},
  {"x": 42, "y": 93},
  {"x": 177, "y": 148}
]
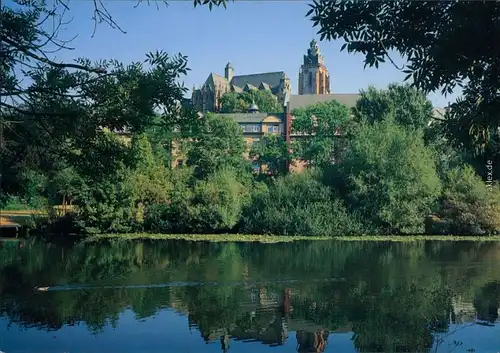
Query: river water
[{"x": 323, "y": 296}]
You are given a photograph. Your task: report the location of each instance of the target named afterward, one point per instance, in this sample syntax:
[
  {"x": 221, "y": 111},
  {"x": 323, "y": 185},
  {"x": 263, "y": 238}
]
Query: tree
[
  {"x": 298, "y": 204},
  {"x": 468, "y": 206},
  {"x": 220, "y": 145},
  {"x": 232, "y": 102},
  {"x": 273, "y": 153},
  {"x": 446, "y": 44},
  {"x": 389, "y": 175},
  {"x": 26, "y": 43},
  {"x": 39, "y": 96},
  {"x": 320, "y": 124},
  {"x": 404, "y": 104},
  {"x": 49, "y": 127},
  {"x": 217, "y": 203}
]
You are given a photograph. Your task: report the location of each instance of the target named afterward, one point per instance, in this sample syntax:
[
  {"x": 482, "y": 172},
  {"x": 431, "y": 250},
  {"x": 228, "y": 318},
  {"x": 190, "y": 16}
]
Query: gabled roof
[
  {"x": 264, "y": 86},
  {"x": 249, "y": 87},
  {"x": 236, "y": 89},
  {"x": 215, "y": 80},
  {"x": 273, "y": 79},
  {"x": 304, "y": 100}
]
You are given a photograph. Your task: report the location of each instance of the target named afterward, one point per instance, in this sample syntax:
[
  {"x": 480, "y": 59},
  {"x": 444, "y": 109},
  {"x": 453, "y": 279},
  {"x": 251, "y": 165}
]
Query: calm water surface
[{"x": 177, "y": 296}]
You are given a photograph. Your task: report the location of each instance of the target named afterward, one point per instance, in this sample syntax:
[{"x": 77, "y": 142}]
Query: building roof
[
  {"x": 215, "y": 80},
  {"x": 249, "y": 118},
  {"x": 303, "y": 100},
  {"x": 249, "y": 87},
  {"x": 273, "y": 79},
  {"x": 253, "y": 108},
  {"x": 237, "y": 89},
  {"x": 264, "y": 85},
  {"x": 439, "y": 113}
]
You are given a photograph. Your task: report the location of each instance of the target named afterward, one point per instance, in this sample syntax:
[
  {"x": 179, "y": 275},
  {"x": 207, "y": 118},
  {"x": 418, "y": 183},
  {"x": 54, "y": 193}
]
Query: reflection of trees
[
  {"x": 394, "y": 297},
  {"x": 487, "y": 301}
]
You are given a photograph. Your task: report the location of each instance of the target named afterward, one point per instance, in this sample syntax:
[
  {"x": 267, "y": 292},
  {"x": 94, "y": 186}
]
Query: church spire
[{"x": 313, "y": 75}]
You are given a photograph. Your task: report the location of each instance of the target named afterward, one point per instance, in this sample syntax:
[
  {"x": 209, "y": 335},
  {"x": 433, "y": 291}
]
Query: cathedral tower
[{"x": 313, "y": 74}]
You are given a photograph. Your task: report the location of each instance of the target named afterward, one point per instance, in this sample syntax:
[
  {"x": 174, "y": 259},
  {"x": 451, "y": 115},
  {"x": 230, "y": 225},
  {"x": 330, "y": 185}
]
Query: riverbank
[{"x": 269, "y": 239}]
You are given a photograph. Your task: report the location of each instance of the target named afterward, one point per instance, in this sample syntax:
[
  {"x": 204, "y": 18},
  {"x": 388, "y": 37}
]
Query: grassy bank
[{"x": 282, "y": 239}]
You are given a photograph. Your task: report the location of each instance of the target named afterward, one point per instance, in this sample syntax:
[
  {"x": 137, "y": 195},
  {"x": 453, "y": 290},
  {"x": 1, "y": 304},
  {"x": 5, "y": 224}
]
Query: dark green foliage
[
  {"x": 298, "y": 204},
  {"x": 403, "y": 104},
  {"x": 468, "y": 205},
  {"x": 319, "y": 123},
  {"x": 106, "y": 207},
  {"x": 233, "y": 102},
  {"x": 389, "y": 176},
  {"x": 63, "y": 186},
  {"x": 272, "y": 152},
  {"x": 220, "y": 145},
  {"x": 60, "y": 145},
  {"x": 446, "y": 44},
  {"x": 207, "y": 206}
]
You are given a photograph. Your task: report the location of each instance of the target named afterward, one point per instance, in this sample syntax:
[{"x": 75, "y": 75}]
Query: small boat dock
[{"x": 9, "y": 228}]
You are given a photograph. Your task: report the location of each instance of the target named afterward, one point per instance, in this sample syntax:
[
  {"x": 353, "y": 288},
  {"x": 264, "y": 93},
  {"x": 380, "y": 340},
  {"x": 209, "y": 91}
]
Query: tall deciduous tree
[
  {"x": 71, "y": 124},
  {"x": 220, "y": 145},
  {"x": 320, "y": 124},
  {"x": 405, "y": 105},
  {"x": 390, "y": 177},
  {"x": 446, "y": 44}
]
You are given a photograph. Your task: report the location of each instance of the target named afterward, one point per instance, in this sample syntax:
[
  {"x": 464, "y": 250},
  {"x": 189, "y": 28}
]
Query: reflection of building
[
  {"x": 463, "y": 311},
  {"x": 207, "y": 98},
  {"x": 311, "y": 342},
  {"x": 265, "y": 317},
  {"x": 313, "y": 74}
]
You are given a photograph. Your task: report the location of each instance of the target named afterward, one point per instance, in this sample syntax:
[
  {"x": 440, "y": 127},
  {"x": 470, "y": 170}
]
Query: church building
[
  {"x": 207, "y": 98},
  {"x": 313, "y": 74}
]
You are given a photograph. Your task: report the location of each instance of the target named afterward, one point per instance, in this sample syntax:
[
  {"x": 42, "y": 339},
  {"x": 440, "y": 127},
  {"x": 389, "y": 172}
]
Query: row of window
[{"x": 257, "y": 128}]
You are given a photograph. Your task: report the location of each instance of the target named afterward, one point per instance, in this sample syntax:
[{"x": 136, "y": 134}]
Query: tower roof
[
  {"x": 313, "y": 56},
  {"x": 253, "y": 108},
  {"x": 229, "y": 65}
]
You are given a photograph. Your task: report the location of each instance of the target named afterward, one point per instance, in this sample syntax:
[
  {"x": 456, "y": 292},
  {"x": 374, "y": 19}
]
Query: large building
[
  {"x": 207, "y": 98},
  {"x": 314, "y": 87},
  {"x": 313, "y": 74}
]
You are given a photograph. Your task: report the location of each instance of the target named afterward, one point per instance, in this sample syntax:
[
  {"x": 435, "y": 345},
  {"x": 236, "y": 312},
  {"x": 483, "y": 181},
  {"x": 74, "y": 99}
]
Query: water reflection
[{"x": 382, "y": 297}]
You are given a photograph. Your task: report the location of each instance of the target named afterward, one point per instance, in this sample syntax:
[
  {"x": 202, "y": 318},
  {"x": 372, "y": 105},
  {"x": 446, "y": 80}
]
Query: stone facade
[
  {"x": 207, "y": 98},
  {"x": 313, "y": 75}
]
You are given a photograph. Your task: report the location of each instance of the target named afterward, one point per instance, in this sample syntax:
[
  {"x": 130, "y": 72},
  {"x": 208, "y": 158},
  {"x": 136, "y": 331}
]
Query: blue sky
[{"x": 256, "y": 36}]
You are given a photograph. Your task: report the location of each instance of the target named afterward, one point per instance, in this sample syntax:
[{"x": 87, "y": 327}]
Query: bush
[
  {"x": 213, "y": 205},
  {"x": 389, "y": 176},
  {"x": 468, "y": 206},
  {"x": 106, "y": 207},
  {"x": 13, "y": 203},
  {"x": 217, "y": 203},
  {"x": 297, "y": 204},
  {"x": 17, "y": 203}
]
